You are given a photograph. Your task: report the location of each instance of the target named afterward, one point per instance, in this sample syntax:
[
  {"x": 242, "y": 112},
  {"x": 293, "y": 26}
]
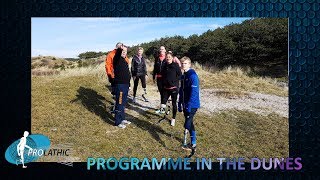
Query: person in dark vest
[
  {"x": 122, "y": 78},
  {"x": 139, "y": 72},
  {"x": 189, "y": 101},
  {"x": 171, "y": 77},
  {"x": 159, "y": 65}
]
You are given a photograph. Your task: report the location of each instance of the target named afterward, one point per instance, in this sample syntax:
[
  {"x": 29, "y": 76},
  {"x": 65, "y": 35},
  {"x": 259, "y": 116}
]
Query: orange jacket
[{"x": 109, "y": 63}]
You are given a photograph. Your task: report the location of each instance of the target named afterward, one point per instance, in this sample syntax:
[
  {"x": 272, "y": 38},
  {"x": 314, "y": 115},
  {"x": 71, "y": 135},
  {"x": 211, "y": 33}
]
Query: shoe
[
  {"x": 122, "y": 126},
  {"x": 173, "y": 122},
  {"x": 160, "y": 111},
  {"x": 189, "y": 147},
  {"x": 134, "y": 100},
  {"x": 125, "y": 122}
]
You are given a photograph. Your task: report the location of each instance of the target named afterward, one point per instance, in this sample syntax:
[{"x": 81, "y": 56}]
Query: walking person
[
  {"x": 171, "y": 77},
  {"x": 121, "y": 81},
  {"x": 189, "y": 101},
  {"x": 139, "y": 72}
]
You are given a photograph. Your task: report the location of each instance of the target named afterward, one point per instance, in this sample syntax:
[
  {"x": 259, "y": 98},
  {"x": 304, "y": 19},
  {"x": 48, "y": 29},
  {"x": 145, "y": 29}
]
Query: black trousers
[
  {"x": 160, "y": 87},
  {"x": 136, "y": 82},
  {"x": 174, "y": 95}
]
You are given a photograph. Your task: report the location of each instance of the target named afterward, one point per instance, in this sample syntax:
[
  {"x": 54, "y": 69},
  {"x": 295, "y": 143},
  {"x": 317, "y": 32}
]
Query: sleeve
[
  {"x": 178, "y": 72},
  {"x": 194, "y": 90},
  {"x": 154, "y": 69},
  {"x": 145, "y": 67},
  {"x": 132, "y": 67},
  {"x": 117, "y": 56},
  {"x": 109, "y": 64},
  {"x": 177, "y": 61},
  {"x": 181, "y": 91}
]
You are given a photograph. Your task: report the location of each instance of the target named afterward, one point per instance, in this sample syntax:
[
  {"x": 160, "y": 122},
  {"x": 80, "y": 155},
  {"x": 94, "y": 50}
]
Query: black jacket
[
  {"x": 158, "y": 67},
  {"x": 121, "y": 69},
  {"x": 138, "y": 68},
  {"x": 172, "y": 74}
]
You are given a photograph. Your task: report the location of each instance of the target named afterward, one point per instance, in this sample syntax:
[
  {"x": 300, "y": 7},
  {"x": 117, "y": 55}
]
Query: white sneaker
[
  {"x": 125, "y": 122},
  {"x": 122, "y": 126},
  {"x": 160, "y": 111},
  {"x": 173, "y": 122}
]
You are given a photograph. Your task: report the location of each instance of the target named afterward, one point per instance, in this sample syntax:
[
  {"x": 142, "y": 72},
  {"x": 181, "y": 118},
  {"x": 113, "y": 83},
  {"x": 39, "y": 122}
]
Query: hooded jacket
[{"x": 189, "y": 93}]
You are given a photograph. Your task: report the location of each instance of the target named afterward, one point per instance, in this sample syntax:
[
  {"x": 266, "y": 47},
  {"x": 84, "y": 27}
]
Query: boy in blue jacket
[{"x": 189, "y": 100}]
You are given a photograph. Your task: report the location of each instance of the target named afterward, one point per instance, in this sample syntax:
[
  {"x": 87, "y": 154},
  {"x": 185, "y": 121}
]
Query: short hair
[
  {"x": 185, "y": 58},
  {"x": 119, "y": 44},
  {"x": 140, "y": 48}
]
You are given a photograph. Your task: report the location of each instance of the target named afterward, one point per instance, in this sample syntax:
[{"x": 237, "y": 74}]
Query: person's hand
[
  {"x": 179, "y": 107},
  {"x": 110, "y": 79}
]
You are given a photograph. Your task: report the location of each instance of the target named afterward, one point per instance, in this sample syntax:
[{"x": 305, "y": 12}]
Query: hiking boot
[
  {"x": 160, "y": 111},
  {"x": 122, "y": 126},
  {"x": 125, "y": 122},
  {"x": 173, "y": 122}
]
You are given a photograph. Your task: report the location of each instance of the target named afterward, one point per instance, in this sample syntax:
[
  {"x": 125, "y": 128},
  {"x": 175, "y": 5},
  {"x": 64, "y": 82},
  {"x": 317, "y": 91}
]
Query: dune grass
[{"x": 73, "y": 108}]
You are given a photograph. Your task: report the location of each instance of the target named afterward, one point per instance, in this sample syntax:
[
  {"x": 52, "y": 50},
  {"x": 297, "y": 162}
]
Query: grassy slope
[{"x": 76, "y": 107}]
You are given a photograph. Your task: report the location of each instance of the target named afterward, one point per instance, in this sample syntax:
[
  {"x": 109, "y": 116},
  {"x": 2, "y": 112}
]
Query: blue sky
[{"x": 68, "y": 37}]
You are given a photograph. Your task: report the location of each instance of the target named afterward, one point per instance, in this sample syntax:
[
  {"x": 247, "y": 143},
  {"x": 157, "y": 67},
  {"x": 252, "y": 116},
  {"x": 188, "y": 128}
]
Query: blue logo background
[{"x": 35, "y": 141}]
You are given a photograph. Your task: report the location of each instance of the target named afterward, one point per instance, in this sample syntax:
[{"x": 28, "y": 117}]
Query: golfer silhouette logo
[{"x": 21, "y": 146}]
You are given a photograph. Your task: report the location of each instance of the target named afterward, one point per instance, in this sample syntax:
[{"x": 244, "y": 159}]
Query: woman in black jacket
[
  {"x": 171, "y": 77},
  {"x": 139, "y": 71}
]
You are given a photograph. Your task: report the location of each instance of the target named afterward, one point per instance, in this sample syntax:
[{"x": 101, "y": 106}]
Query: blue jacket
[{"x": 189, "y": 94}]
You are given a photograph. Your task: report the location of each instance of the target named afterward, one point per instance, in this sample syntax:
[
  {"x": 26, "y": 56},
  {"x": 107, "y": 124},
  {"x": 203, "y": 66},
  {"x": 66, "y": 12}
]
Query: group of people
[{"x": 174, "y": 78}]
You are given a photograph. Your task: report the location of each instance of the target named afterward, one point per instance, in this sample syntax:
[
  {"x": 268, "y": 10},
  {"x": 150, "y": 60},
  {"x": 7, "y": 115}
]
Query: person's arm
[
  {"x": 154, "y": 69},
  {"x": 194, "y": 91},
  {"x": 145, "y": 67},
  {"x": 132, "y": 67},
  {"x": 18, "y": 146},
  {"x": 180, "y": 100},
  {"x": 109, "y": 66},
  {"x": 117, "y": 56},
  {"x": 28, "y": 147},
  {"x": 178, "y": 71}
]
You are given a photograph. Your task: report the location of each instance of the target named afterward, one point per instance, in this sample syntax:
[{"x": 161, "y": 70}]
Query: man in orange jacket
[
  {"x": 110, "y": 69},
  {"x": 109, "y": 65}
]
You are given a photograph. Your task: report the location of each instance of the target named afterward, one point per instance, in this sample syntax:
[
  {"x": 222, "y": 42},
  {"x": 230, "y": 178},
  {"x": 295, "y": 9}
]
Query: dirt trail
[{"x": 212, "y": 102}]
